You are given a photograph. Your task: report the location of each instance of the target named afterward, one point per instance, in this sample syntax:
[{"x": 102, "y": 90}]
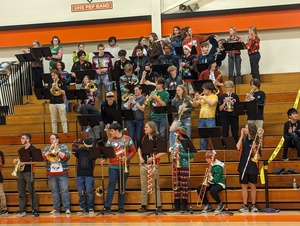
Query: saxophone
[
  {"x": 176, "y": 124},
  {"x": 18, "y": 168},
  {"x": 215, "y": 83}
]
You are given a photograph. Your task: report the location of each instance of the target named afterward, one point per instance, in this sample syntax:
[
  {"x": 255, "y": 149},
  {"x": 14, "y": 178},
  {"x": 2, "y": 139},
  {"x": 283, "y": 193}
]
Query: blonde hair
[
  {"x": 128, "y": 67},
  {"x": 184, "y": 94},
  {"x": 253, "y": 28},
  {"x": 235, "y": 36},
  {"x": 153, "y": 128},
  {"x": 229, "y": 83},
  {"x": 172, "y": 68}
]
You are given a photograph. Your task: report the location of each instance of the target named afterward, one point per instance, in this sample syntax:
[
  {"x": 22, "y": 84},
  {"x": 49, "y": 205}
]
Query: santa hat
[
  {"x": 182, "y": 130},
  {"x": 188, "y": 47}
]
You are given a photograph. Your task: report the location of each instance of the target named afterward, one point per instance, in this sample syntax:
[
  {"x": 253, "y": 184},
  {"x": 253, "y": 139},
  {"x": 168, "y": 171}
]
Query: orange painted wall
[{"x": 129, "y": 30}]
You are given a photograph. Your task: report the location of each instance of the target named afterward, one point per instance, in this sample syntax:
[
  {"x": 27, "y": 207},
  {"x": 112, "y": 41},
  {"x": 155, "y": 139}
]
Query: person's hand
[
  {"x": 15, "y": 161},
  {"x": 144, "y": 74},
  {"x": 290, "y": 130},
  {"x": 98, "y": 71},
  {"x": 142, "y": 160},
  {"x": 243, "y": 132},
  {"x": 137, "y": 69},
  {"x": 104, "y": 70}
]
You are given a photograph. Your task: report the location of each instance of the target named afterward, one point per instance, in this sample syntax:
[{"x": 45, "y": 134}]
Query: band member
[
  {"x": 188, "y": 63},
  {"x": 155, "y": 48},
  {"x": 26, "y": 170},
  {"x": 180, "y": 170},
  {"x": 168, "y": 57},
  {"x": 117, "y": 166},
  {"x": 149, "y": 77},
  {"x": 2, "y": 194},
  {"x": 135, "y": 127},
  {"x": 81, "y": 64},
  {"x": 91, "y": 92},
  {"x": 113, "y": 48},
  {"x": 149, "y": 169},
  {"x": 85, "y": 178},
  {"x": 57, "y": 156},
  {"x": 95, "y": 130},
  {"x": 56, "y": 50},
  {"x": 182, "y": 102},
  {"x": 102, "y": 63},
  {"x": 291, "y": 133},
  {"x": 57, "y": 89},
  {"x": 234, "y": 57},
  {"x": 260, "y": 97},
  {"x": 175, "y": 39},
  {"x": 126, "y": 80},
  {"x": 225, "y": 114},
  {"x": 174, "y": 80},
  {"x": 253, "y": 45},
  {"x": 80, "y": 48},
  {"x": 215, "y": 75},
  {"x": 161, "y": 98},
  {"x": 143, "y": 43},
  {"x": 208, "y": 102},
  {"x": 214, "y": 182},
  {"x": 245, "y": 146},
  {"x": 140, "y": 61}
]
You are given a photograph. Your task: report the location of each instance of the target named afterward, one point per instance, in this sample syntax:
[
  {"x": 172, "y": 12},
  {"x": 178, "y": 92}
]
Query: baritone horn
[
  {"x": 52, "y": 155},
  {"x": 18, "y": 168},
  {"x": 56, "y": 91},
  {"x": 92, "y": 87}
]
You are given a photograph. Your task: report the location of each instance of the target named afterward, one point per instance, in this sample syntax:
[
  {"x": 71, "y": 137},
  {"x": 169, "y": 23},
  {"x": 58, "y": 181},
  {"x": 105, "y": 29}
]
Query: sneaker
[
  {"x": 244, "y": 209},
  {"x": 285, "y": 159},
  {"x": 54, "y": 212},
  {"x": 81, "y": 212},
  {"x": 219, "y": 208},
  {"x": 91, "y": 212},
  {"x": 20, "y": 214},
  {"x": 254, "y": 209},
  {"x": 106, "y": 210},
  {"x": 68, "y": 212},
  {"x": 206, "y": 209},
  {"x": 3, "y": 212},
  {"x": 121, "y": 210},
  {"x": 159, "y": 209},
  {"x": 35, "y": 213},
  {"x": 142, "y": 210}
]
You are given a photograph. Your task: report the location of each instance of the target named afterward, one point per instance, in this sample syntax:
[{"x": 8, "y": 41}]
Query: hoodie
[{"x": 217, "y": 176}]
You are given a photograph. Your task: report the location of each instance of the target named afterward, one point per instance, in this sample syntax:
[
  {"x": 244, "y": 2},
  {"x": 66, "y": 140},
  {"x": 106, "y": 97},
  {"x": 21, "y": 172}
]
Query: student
[
  {"x": 174, "y": 80},
  {"x": 208, "y": 55},
  {"x": 140, "y": 61},
  {"x": 80, "y": 48}
]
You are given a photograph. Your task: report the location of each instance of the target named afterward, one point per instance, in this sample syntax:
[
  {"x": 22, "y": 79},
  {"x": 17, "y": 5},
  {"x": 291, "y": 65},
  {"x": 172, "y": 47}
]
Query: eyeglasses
[{"x": 110, "y": 96}]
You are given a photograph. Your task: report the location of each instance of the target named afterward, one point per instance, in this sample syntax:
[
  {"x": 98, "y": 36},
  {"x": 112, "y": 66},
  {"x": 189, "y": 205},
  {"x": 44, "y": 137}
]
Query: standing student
[
  {"x": 2, "y": 194},
  {"x": 155, "y": 48},
  {"x": 57, "y": 170},
  {"x": 56, "y": 50},
  {"x": 119, "y": 142},
  {"x": 253, "y": 46},
  {"x": 245, "y": 146},
  {"x": 149, "y": 169},
  {"x": 80, "y": 48},
  {"x": 24, "y": 178},
  {"x": 113, "y": 48}
]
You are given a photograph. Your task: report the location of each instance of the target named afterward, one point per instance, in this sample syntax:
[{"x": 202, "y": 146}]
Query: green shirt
[{"x": 164, "y": 96}]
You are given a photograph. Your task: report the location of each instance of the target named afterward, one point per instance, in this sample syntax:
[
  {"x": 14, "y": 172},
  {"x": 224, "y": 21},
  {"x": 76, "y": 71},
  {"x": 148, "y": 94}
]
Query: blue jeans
[
  {"x": 59, "y": 184},
  {"x": 85, "y": 184},
  {"x": 205, "y": 123},
  {"x": 236, "y": 60},
  {"x": 114, "y": 177},
  {"x": 183, "y": 122},
  {"x": 161, "y": 126},
  {"x": 102, "y": 79},
  {"x": 135, "y": 129}
]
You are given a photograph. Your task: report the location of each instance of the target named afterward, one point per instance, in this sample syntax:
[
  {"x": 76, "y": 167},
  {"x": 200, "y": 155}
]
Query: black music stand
[
  {"x": 179, "y": 51},
  {"x": 197, "y": 85},
  {"x": 33, "y": 155},
  {"x": 46, "y": 77},
  {"x": 172, "y": 93},
  {"x": 132, "y": 58},
  {"x": 26, "y": 59},
  {"x": 105, "y": 52},
  {"x": 152, "y": 147},
  {"x": 201, "y": 67},
  {"x": 105, "y": 153},
  {"x": 245, "y": 108},
  {"x": 40, "y": 52},
  {"x": 231, "y": 46},
  {"x": 78, "y": 94},
  {"x": 123, "y": 115},
  {"x": 208, "y": 132},
  {"x": 81, "y": 73},
  {"x": 162, "y": 69},
  {"x": 189, "y": 147}
]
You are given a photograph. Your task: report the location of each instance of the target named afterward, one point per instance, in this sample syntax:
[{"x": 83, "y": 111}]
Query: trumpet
[
  {"x": 56, "y": 91},
  {"x": 150, "y": 97},
  {"x": 248, "y": 97},
  {"x": 18, "y": 168},
  {"x": 92, "y": 87},
  {"x": 52, "y": 155},
  {"x": 196, "y": 98}
]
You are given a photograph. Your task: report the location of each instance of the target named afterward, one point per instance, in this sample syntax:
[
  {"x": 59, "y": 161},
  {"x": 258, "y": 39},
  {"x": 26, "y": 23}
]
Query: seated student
[
  {"x": 291, "y": 133},
  {"x": 188, "y": 64},
  {"x": 81, "y": 64},
  {"x": 168, "y": 57},
  {"x": 149, "y": 77},
  {"x": 140, "y": 62},
  {"x": 174, "y": 80},
  {"x": 215, "y": 182},
  {"x": 207, "y": 55},
  {"x": 141, "y": 42},
  {"x": 91, "y": 94}
]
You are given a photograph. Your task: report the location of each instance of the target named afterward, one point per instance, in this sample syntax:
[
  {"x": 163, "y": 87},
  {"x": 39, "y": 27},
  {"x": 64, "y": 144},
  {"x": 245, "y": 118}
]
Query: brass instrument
[
  {"x": 107, "y": 131},
  {"x": 99, "y": 191},
  {"x": 128, "y": 100},
  {"x": 247, "y": 99},
  {"x": 126, "y": 96},
  {"x": 196, "y": 98},
  {"x": 18, "y": 168},
  {"x": 149, "y": 98},
  {"x": 203, "y": 187},
  {"x": 229, "y": 106},
  {"x": 52, "y": 155},
  {"x": 175, "y": 166},
  {"x": 176, "y": 124},
  {"x": 92, "y": 87},
  {"x": 215, "y": 83},
  {"x": 258, "y": 135},
  {"x": 56, "y": 91},
  {"x": 150, "y": 170},
  {"x": 123, "y": 168}
]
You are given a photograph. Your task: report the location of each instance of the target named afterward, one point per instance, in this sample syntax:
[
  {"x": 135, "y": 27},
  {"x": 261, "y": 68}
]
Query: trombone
[{"x": 123, "y": 169}]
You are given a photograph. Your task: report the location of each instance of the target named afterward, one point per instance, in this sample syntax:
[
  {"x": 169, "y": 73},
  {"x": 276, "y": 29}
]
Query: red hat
[{"x": 188, "y": 47}]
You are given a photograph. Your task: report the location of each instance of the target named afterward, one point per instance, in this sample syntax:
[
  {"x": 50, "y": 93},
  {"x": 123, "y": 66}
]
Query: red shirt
[
  {"x": 253, "y": 44},
  {"x": 205, "y": 76},
  {"x": 196, "y": 41}
]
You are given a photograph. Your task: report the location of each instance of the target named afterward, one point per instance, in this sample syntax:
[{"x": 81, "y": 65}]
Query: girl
[{"x": 155, "y": 48}]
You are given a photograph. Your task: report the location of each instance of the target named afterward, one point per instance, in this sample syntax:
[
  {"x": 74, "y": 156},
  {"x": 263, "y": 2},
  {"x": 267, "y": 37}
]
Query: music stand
[
  {"x": 104, "y": 153},
  {"x": 162, "y": 69},
  {"x": 201, "y": 67},
  {"x": 188, "y": 146},
  {"x": 197, "y": 85},
  {"x": 105, "y": 52},
  {"x": 81, "y": 73},
  {"x": 245, "y": 108},
  {"x": 208, "y": 132},
  {"x": 152, "y": 147},
  {"x": 172, "y": 93},
  {"x": 87, "y": 120},
  {"x": 26, "y": 59},
  {"x": 33, "y": 155},
  {"x": 179, "y": 51},
  {"x": 40, "y": 52},
  {"x": 46, "y": 77},
  {"x": 231, "y": 46},
  {"x": 78, "y": 94},
  {"x": 132, "y": 58}
]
